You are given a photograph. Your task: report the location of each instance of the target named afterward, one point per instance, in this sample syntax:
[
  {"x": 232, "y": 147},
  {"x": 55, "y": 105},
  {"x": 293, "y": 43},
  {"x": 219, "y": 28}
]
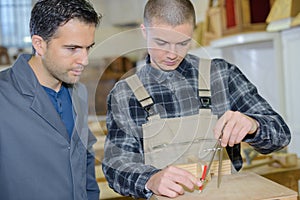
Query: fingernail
[{"x": 199, "y": 183}]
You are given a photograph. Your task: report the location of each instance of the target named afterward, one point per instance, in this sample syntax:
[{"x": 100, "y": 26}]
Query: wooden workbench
[
  {"x": 240, "y": 186},
  {"x": 288, "y": 176}
]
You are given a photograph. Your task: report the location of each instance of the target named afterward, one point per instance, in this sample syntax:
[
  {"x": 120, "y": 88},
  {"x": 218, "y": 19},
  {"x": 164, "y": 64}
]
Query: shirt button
[{"x": 69, "y": 148}]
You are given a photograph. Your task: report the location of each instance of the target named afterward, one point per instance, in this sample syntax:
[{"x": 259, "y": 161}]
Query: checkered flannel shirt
[{"x": 175, "y": 94}]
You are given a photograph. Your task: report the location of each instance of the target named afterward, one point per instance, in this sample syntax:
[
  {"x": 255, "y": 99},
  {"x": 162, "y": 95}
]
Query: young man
[
  {"x": 45, "y": 144},
  {"x": 171, "y": 79}
]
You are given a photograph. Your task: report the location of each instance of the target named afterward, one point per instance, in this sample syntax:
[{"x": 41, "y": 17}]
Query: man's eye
[
  {"x": 71, "y": 48},
  {"x": 184, "y": 43},
  {"x": 161, "y": 43}
]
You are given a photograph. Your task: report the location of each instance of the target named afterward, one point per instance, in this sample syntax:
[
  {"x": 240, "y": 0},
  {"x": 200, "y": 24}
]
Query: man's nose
[
  {"x": 172, "y": 51},
  {"x": 83, "y": 57}
]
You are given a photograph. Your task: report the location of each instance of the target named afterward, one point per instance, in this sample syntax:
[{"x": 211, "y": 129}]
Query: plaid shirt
[{"x": 175, "y": 94}]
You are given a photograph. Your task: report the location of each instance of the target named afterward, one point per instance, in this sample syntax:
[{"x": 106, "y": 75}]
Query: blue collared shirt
[{"x": 62, "y": 102}]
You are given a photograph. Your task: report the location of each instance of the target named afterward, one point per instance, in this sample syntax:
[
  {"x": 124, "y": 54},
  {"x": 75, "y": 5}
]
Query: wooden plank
[
  {"x": 246, "y": 16},
  {"x": 288, "y": 177},
  {"x": 196, "y": 168},
  {"x": 239, "y": 186},
  {"x": 296, "y": 20},
  {"x": 283, "y": 9}
]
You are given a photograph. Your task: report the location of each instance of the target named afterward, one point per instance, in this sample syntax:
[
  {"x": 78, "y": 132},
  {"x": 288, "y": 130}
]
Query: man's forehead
[
  {"x": 169, "y": 34},
  {"x": 164, "y": 28}
]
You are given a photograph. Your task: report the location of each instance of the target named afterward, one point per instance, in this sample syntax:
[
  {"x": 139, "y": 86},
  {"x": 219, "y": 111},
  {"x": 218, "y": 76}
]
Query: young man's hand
[
  {"x": 234, "y": 126},
  {"x": 171, "y": 181}
]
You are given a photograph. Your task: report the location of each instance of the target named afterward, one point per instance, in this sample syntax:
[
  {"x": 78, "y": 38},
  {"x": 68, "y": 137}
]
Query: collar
[
  {"x": 53, "y": 93},
  {"x": 28, "y": 85},
  {"x": 25, "y": 77},
  {"x": 160, "y": 75}
]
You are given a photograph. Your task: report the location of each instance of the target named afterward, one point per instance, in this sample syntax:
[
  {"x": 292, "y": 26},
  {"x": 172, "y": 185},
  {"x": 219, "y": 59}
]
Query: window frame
[{"x": 14, "y": 23}]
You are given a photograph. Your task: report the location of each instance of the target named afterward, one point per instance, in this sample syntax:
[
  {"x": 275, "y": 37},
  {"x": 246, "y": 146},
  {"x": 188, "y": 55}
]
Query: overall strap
[
  {"x": 139, "y": 91},
  {"x": 204, "y": 83},
  {"x": 203, "y": 86}
]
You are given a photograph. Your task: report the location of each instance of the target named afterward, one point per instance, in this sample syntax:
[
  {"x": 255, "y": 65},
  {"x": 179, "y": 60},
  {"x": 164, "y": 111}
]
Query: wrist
[
  {"x": 148, "y": 193},
  {"x": 146, "y": 189}
]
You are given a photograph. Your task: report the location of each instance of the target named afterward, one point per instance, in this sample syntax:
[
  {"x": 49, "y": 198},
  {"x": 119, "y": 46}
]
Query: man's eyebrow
[
  {"x": 187, "y": 40},
  {"x": 78, "y": 46},
  {"x": 161, "y": 40},
  {"x": 92, "y": 44}
]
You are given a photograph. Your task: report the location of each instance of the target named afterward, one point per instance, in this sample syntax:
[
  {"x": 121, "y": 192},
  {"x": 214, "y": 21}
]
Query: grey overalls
[{"x": 170, "y": 141}]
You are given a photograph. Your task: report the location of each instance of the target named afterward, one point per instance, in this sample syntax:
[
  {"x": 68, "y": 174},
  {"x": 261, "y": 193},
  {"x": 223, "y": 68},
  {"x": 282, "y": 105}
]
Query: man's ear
[
  {"x": 144, "y": 31},
  {"x": 39, "y": 44}
]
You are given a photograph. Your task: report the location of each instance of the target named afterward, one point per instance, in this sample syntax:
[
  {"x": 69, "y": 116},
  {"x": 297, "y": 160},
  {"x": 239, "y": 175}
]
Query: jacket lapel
[
  {"x": 78, "y": 112},
  {"x": 41, "y": 104}
]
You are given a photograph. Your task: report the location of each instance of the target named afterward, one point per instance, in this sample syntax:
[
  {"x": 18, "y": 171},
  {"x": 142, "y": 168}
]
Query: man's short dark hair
[
  {"x": 48, "y": 15},
  {"x": 172, "y": 12}
]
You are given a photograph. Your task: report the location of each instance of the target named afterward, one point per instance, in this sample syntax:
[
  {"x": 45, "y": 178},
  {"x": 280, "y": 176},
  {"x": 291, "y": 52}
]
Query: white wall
[
  {"x": 271, "y": 61},
  {"x": 112, "y": 40},
  {"x": 291, "y": 43},
  {"x": 258, "y": 55}
]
